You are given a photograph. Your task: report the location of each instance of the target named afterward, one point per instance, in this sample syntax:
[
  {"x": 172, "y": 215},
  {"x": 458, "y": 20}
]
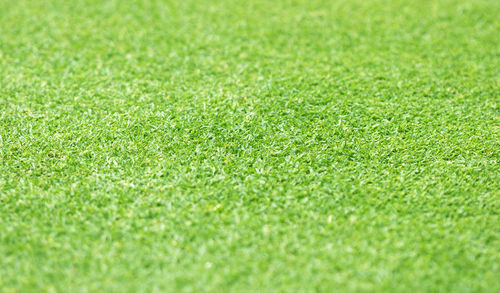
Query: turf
[{"x": 249, "y": 146}]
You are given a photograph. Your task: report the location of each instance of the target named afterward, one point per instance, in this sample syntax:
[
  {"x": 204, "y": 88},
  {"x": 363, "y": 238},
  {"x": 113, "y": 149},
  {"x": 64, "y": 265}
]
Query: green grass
[{"x": 254, "y": 146}]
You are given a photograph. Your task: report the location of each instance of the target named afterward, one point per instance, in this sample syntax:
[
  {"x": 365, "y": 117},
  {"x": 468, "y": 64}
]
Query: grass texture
[{"x": 249, "y": 146}]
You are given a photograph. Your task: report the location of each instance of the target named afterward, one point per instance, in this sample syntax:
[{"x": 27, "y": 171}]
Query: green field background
[{"x": 249, "y": 146}]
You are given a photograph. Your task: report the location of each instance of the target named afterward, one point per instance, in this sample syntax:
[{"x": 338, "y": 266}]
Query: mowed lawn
[{"x": 249, "y": 146}]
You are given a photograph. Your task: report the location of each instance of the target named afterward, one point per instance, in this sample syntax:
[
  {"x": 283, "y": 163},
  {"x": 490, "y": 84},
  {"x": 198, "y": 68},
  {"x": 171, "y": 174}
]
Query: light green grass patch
[{"x": 253, "y": 146}]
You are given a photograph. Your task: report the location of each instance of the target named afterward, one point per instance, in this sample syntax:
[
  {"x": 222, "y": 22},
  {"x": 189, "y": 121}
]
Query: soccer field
[{"x": 249, "y": 146}]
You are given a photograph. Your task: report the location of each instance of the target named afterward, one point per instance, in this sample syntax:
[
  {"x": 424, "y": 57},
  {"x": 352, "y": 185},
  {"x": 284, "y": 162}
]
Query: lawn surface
[{"x": 254, "y": 146}]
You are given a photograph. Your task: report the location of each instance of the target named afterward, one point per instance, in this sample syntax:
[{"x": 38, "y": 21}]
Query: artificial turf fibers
[{"x": 249, "y": 146}]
